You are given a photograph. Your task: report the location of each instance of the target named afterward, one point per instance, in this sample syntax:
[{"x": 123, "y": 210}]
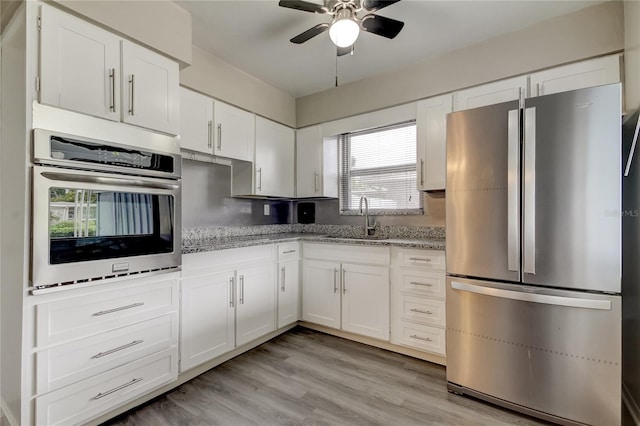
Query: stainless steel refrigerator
[{"x": 534, "y": 255}]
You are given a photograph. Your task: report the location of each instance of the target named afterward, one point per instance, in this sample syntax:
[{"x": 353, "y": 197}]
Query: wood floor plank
[{"x": 304, "y": 377}]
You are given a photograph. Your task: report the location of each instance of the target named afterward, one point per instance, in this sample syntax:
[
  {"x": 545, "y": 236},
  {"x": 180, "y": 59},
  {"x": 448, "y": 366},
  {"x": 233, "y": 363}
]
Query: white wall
[
  {"x": 590, "y": 32},
  {"x": 159, "y": 24},
  {"x": 216, "y": 78}
]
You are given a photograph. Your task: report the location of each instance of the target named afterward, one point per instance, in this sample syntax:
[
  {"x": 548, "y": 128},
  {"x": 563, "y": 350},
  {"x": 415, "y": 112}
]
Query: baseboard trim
[
  {"x": 4, "y": 411},
  {"x": 425, "y": 356},
  {"x": 631, "y": 405},
  {"x": 188, "y": 375}
]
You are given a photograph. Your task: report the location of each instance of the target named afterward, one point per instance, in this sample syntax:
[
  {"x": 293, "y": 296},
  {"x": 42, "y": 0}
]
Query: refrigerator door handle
[
  {"x": 513, "y": 192},
  {"x": 546, "y": 299},
  {"x": 529, "y": 206}
]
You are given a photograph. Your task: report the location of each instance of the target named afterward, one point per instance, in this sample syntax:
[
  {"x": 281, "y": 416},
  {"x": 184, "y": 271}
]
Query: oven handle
[{"x": 68, "y": 177}]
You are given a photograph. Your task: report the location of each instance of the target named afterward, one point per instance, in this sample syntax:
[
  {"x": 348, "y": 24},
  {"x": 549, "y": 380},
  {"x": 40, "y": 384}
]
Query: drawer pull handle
[
  {"x": 119, "y": 348},
  {"x": 109, "y": 392},
  {"x": 288, "y": 251},
  {"x": 415, "y": 336},
  {"x": 421, "y": 259},
  {"x": 421, "y": 312},
  {"x": 121, "y": 308},
  {"x": 422, "y": 284}
]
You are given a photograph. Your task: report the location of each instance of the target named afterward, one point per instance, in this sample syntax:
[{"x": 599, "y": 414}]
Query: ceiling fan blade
[
  {"x": 374, "y": 5},
  {"x": 303, "y": 5},
  {"x": 385, "y": 27},
  {"x": 345, "y": 50},
  {"x": 310, "y": 33}
]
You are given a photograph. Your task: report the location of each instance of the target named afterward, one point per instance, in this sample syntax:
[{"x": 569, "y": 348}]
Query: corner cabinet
[
  {"x": 316, "y": 164},
  {"x": 431, "y": 123},
  {"x": 274, "y": 163},
  {"x": 213, "y": 127},
  {"x": 86, "y": 69}
]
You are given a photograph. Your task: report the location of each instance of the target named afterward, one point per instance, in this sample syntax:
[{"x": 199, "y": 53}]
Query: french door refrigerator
[{"x": 534, "y": 255}]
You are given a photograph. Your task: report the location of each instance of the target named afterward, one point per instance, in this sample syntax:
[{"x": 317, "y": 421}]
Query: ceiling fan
[{"x": 345, "y": 25}]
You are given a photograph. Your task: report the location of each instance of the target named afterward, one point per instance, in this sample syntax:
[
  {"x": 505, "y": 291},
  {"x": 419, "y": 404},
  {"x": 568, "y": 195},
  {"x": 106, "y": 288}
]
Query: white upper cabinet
[
  {"x": 309, "y": 153},
  {"x": 489, "y": 94},
  {"x": 79, "y": 65},
  {"x": 595, "y": 72},
  {"x": 274, "y": 165},
  {"x": 431, "y": 122},
  {"x": 86, "y": 69},
  {"x": 234, "y": 132},
  {"x": 150, "y": 89},
  {"x": 196, "y": 121}
]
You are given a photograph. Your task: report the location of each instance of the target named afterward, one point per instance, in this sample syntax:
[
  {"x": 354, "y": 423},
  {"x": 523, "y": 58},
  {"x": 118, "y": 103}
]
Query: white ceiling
[{"x": 253, "y": 35}]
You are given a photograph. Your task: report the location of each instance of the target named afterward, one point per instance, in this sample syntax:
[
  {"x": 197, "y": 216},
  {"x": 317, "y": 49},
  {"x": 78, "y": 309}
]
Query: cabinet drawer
[
  {"x": 93, "y": 397},
  {"x": 420, "y": 283},
  {"x": 96, "y": 312},
  {"x": 423, "y": 337},
  {"x": 288, "y": 251},
  {"x": 69, "y": 363},
  {"x": 420, "y": 309},
  {"x": 427, "y": 259}
]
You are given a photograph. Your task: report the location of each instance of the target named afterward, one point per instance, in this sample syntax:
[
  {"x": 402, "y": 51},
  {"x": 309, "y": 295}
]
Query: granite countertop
[{"x": 237, "y": 241}]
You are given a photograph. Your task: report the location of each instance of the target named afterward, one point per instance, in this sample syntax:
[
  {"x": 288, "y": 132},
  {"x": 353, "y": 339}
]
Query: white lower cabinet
[
  {"x": 288, "y": 283},
  {"x": 418, "y": 313},
  {"x": 100, "y": 347},
  {"x": 353, "y": 297},
  {"x": 226, "y": 302}
]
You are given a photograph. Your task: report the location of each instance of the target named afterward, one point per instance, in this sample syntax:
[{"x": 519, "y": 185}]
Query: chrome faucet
[{"x": 369, "y": 228}]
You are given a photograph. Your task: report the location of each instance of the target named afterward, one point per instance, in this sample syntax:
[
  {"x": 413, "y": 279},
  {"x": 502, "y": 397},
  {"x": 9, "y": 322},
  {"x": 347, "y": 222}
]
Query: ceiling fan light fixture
[{"x": 344, "y": 30}]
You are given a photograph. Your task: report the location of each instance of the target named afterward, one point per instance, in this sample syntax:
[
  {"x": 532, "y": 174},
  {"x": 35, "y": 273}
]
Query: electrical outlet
[{"x": 266, "y": 209}]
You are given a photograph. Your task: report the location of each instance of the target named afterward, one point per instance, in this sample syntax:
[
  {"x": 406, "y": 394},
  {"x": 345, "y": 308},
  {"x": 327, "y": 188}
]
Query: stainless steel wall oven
[{"x": 102, "y": 209}]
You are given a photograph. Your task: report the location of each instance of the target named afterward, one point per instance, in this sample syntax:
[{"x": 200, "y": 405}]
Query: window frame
[{"x": 345, "y": 173}]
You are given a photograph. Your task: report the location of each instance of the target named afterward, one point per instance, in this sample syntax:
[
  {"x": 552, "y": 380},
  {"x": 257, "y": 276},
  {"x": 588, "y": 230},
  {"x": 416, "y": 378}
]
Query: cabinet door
[
  {"x": 150, "y": 89},
  {"x": 79, "y": 65},
  {"x": 207, "y": 324},
  {"x": 489, "y": 94},
  {"x": 256, "y": 303},
  {"x": 309, "y": 155},
  {"x": 594, "y": 72},
  {"x": 288, "y": 292},
  {"x": 321, "y": 292},
  {"x": 196, "y": 121},
  {"x": 431, "y": 121},
  {"x": 234, "y": 132},
  {"x": 365, "y": 300},
  {"x": 274, "y": 159}
]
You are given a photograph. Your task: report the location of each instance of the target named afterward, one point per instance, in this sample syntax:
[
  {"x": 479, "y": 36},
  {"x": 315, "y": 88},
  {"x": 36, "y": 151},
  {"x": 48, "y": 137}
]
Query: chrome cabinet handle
[
  {"x": 242, "y": 289},
  {"x": 513, "y": 191},
  {"x": 209, "y": 134},
  {"x": 421, "y": 259},
  {"x": 421, "y": 172},
  {"x": 422, "y": 284},
  {"x": 219, "y": 136},
  {"x": 529, "y": 202},
  {"x": 282, "y": 280},
  {"x": 415, "y": 336},
  {"x": 132, "y": 91},
  {"x": 335, "y": 280},
  {"x": 344, "y": 281},
  {"x": 112, "y": 81},
  {"x": 316, "y": 177},
  {"x": 232, "y": 292},
  {"x": 538, "y": 89},
  {"x": 421, "y": 311},
  {"x": 119, "y": 348},
  {"x": 260, "y": 181},
  {"x": 288, "y": 251},
  {"x": 121, "y": 308},
  {"x": 116, "y": 389}
]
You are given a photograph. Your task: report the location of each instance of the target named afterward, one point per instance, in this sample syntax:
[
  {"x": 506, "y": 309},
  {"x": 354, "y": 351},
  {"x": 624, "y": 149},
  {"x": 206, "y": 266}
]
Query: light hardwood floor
[{"x": 304, "y": 377}]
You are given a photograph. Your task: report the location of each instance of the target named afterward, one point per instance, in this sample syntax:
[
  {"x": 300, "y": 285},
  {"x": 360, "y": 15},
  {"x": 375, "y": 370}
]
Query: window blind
[{"x": 381, "y": 165}]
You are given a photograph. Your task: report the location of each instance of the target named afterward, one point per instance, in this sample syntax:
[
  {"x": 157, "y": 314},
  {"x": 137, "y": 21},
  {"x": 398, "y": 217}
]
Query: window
[{"x": 381, "y": 165}]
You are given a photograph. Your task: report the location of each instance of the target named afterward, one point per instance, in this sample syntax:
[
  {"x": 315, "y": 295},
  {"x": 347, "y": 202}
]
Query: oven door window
[{"x": 89, "y": 225}]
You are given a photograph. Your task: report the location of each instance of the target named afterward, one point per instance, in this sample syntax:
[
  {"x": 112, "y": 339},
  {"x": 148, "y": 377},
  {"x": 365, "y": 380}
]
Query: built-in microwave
[{"x": 102, "y": 210}]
